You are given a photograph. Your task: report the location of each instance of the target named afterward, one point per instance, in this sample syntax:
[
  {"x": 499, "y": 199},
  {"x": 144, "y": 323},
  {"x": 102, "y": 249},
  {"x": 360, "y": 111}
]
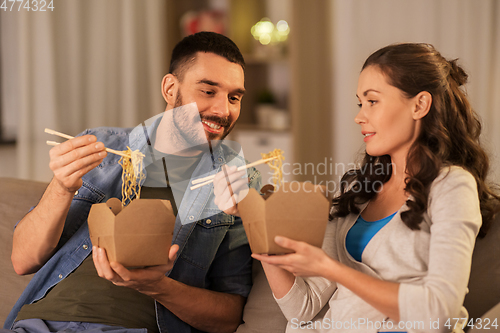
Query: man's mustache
[{"x": 222, "y": 121}]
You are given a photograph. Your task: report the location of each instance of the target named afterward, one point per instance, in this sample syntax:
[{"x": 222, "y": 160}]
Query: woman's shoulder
[
  {"x": 454, "y": 201},
  {"x": 453, "y": 185},
  {"x": 452, "y": 176}
]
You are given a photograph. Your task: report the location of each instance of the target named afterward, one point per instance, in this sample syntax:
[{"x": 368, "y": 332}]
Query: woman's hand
[
  {"x": 308, "y": 260},
  {"x": 230, "y": 187}
]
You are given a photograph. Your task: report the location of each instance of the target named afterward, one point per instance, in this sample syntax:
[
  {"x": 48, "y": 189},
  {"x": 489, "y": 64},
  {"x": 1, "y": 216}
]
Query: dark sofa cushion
[
  {"x": 484, "y": 283},
  {"x": 16, "y": 198}
]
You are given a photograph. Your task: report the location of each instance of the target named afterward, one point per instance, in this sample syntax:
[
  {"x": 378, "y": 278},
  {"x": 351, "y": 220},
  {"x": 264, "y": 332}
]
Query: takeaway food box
[
  {"x": 296, "y": 210},
  {"x": 140, "y": 234}
]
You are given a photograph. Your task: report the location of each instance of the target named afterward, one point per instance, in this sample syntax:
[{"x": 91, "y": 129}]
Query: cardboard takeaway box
[
  {"x": 138, "y": 235},
  {"x": 296, "y": 210}
]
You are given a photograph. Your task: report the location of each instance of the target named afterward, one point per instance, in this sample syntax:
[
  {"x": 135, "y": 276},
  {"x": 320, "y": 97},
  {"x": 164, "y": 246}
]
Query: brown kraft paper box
[
  {"x": 139, "y": 234},
  {"x": 296, "y": 210}
]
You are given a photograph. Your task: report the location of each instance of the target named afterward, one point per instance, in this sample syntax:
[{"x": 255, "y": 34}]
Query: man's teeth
[{"x": 212, "y": 125}]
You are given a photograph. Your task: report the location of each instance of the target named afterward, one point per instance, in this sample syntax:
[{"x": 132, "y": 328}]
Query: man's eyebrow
[
  {"x": 216, "y": 84},
  {"x": 209, "y": 82}
]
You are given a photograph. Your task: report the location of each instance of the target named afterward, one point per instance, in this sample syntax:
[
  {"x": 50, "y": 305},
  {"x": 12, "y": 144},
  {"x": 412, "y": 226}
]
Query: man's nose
[{"x": 221, "y": 106}]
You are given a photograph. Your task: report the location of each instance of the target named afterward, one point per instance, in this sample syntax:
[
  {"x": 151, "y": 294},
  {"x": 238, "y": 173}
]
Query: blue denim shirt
[{"x": 213, "y": 249}]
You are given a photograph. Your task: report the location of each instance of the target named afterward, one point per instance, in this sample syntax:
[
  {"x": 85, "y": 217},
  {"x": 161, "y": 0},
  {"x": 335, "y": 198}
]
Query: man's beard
[{"x": 221, "y": 121}]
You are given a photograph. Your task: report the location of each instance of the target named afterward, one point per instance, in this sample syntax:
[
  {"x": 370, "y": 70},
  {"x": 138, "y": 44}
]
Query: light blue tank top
[{"x": 361, "y": 233}]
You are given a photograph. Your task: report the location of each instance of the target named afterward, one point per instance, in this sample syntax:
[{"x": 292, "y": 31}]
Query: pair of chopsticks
[
  {"x": 209, "y": 179},
  {"x": 197, "y": 182},
  {"x": 66, "y": 136}
]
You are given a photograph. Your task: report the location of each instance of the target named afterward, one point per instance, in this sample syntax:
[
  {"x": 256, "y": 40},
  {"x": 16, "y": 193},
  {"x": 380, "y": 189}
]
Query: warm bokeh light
[
  {"x": 265, "y": 32},
  {"x": 265, "y": 39}
]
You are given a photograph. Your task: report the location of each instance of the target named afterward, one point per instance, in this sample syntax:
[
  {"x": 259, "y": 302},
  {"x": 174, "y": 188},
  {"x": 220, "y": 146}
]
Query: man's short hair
[{"x": 208, "y": 42}]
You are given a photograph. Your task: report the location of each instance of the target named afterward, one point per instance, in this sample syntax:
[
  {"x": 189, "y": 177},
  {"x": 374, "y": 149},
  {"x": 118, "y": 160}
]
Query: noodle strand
[
  {"x": 132, "y": 175},
  {"x": 276, "y": 165}
]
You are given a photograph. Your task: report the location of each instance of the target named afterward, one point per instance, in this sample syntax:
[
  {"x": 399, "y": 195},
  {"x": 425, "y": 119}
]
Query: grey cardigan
[{"x": 432, "y": 266}]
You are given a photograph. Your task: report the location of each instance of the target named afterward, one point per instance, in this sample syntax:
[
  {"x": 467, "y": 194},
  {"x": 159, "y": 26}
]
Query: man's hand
[
  {"x": 38, "y": 233},
  {"x": 143, "y": 280},
  {"x": 72, "y": 159},
  {"x": 204, "y": 309},
  {"x": 230, "y": 187}
]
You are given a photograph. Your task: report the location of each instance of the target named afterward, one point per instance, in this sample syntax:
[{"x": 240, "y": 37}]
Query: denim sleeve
[{"x": 231, "y": 270}]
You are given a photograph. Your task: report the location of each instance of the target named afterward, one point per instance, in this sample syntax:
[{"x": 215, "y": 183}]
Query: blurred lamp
[{"x": 265, "y": 32}]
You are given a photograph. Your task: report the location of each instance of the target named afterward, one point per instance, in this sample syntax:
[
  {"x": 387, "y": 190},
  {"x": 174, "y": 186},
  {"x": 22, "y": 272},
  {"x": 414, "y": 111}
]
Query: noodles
[
  {"x": 132, "y": 175},
  {"x": 276, "y": 165}
]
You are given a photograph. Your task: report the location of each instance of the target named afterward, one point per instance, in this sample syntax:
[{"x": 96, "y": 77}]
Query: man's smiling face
[{"x": 216, "y": 85}]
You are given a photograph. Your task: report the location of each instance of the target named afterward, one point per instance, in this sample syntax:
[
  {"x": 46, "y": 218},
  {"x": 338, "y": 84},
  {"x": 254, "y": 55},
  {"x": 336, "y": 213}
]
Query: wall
[
  {"x": 468, "y": 30},
  {"x": 342, "y": 37}
]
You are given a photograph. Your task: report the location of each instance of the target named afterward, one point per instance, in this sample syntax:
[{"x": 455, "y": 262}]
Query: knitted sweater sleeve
[
  {"x": 309, "y": 295},
  {"x": 456, "y": 218}
]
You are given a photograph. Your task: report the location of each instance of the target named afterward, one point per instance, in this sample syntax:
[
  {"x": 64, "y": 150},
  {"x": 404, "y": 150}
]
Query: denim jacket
[{"x": 213, "y": 249}]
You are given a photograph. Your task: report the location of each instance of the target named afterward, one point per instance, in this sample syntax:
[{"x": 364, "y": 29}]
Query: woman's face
[{"x": 385, "y": 115}]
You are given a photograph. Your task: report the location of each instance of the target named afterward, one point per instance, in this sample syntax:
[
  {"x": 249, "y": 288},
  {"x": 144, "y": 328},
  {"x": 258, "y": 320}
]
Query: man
[{"x": 205, "y": 289}]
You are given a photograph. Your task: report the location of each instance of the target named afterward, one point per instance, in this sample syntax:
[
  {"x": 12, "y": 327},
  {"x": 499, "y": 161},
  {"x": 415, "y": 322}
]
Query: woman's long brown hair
[{"x": 449, "y": 135}]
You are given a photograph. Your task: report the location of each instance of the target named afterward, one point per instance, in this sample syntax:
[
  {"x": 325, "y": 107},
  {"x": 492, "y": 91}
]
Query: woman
[{"x": 397, "y": 258}]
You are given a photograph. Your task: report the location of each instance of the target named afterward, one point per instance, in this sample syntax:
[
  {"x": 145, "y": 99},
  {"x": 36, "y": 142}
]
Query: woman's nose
[{"x": 360, "y": 117}]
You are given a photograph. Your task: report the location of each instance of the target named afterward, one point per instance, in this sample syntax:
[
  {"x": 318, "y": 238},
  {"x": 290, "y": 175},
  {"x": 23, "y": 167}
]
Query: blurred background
[{"x": 90, "y": 63}]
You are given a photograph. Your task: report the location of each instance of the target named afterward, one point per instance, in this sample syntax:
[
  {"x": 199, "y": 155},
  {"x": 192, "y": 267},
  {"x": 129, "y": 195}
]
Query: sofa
[{"x": 261, "y": 313}]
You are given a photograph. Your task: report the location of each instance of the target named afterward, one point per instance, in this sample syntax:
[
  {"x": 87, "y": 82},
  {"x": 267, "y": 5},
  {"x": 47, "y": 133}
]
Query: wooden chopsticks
[
  {"x": 66, "y": 136},
  {"x": 209, "y": 179},
  {"x": 197, "y": 182}
]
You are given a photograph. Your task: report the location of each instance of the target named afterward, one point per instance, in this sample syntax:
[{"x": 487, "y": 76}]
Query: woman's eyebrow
[{"x": 368, "y": 90}]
